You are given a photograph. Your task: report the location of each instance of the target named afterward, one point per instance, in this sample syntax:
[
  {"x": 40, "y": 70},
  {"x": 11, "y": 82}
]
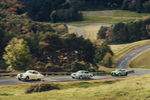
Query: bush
[
  {"x": 107, "y": 61},
  {"x": 41, "y": 87}
]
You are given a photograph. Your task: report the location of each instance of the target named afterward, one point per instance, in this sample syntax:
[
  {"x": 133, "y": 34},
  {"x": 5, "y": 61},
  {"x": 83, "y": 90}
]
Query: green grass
[
  {"x": 142, "y": 61},
  {"x": 121, "y": 49},
  {"x": 135, "y": 88},
  {"x": 108, "y": 16},
  {"x": 106, "y": 69}
]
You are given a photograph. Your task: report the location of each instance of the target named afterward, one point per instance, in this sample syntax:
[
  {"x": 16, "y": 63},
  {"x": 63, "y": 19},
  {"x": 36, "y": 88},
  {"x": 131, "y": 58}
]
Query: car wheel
[
  {"x": 27, "y": 78},
  {"x": 19, "y": 79},
  {"x": 80, "y": 77},
  {"x": 39, "y": 79},
  {"x": 126, "y": 74},
  {"x": 73, "y": 77},
  {"x": 115, "y": 74},
  {"x": 112, "y": 74}
]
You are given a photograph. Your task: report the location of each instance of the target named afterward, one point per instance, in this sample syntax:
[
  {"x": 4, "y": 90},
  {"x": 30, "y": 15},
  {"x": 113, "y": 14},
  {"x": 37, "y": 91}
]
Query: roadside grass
[
  {"x": 106, "y": 69},
  {"x": 107, "y": 16},
  {"x": 142, "y": 61},
  {"x": 134, "y": 88},
  {"x": 121, "y": 49}
]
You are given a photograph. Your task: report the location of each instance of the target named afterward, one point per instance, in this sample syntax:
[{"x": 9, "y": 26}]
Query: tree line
[
  {"x": 69, "y": 10},
  {"x": 44, "y": 10},
  {"x": 126, "y": 32}
]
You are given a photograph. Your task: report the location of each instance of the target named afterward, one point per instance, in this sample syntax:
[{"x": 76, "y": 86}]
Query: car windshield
[
  {"x": 32, "y": 72},
  {"x": 83, "y": 72},
  {"x": 119, "y": 70}
]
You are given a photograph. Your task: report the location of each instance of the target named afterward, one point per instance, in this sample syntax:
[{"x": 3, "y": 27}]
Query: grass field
[
  {"x": 134, "y": 88},
  {"x": 91, "y": 32},
  {"x": 121, "y": 49},
  {"x": 142, "y": 61},
  {"x": 105, "y": 16},
  {"x": 108, "y": 16}
]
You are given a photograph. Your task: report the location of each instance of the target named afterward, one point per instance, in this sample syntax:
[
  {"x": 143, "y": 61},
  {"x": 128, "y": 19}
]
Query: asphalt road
[
  {"x": 14, "y": 81},
  {"x": 121, "y": 64}
]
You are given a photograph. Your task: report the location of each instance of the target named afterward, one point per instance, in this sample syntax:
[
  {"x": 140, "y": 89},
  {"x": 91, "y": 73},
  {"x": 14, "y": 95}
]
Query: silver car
[{"x": 82, "y": 74}]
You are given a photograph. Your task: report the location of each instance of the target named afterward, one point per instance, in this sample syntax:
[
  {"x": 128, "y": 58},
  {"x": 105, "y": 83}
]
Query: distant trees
[
  {"x": 64, "y": 15},
  {"x": 136, "y": 5},
  {"x": 58, "y": 10},
  {"x": 17, "y": 54},
  {"x": 126, "y": 32}
]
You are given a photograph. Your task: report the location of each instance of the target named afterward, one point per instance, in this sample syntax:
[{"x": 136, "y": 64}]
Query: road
[
  {"x": 122, "y": 63},
  {"x": 80, "y": 31},
  {"x": 14, "y": 81}
]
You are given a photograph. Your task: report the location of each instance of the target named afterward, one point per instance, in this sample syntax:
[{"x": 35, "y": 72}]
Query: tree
[
  {"x": 1, "y": 35},
  {"x": 120, "y": 33},
  {"x": 146, "y": 6},
  {"x": 17, "y": 54},
  {"x": 101, "y": 51},
  {"x": 41, "y": 9},
  {"x": 1, "y": 41},
  {"x": 107, "y": 61},
  {"x": 102, "y": 32}
]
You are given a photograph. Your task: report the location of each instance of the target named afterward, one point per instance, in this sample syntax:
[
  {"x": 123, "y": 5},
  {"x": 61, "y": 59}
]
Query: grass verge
[
  {"x": 135, "y": 88},
  {"x": 142, "y": 61}
]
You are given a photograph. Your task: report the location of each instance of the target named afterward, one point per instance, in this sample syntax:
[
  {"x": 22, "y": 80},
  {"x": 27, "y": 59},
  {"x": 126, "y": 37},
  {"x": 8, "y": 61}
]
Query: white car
[
  {"x": 30, "y": 75},
  {"x": 81, "y": 75}
]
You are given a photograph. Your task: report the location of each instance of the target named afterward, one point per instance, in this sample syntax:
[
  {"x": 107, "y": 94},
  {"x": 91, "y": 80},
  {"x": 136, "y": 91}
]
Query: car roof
[
  {"x": 31, "y": 71},
  {"x": 121, "y": 69},
  {"x": 82, "y": 71}
]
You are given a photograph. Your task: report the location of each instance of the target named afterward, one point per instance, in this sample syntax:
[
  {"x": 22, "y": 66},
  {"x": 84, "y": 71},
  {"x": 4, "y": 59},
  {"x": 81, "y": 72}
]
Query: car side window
[{"x": 34, "y": 73}]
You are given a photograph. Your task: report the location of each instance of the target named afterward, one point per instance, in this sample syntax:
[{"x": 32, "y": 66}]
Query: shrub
[
  {"x": 41, "y": 88},
  {"x": 107, "y": 61}
]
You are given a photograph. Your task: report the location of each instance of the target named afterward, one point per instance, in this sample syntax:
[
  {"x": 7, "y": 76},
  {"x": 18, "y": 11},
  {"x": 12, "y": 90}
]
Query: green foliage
[
  {"x": 100, "y": 52},
  {"x": 127, "y": 32},
  {"x": 102, "y": 32},
  {"x": 17, "y": 54},
  {"x": 64, "y": 15},
  {"x": 41, "y": 88},
  {"x": 3, "y": 64},
  {"x": 136, "y": 5},
  {"x": 120, "y": 33},
  {"x": 58, "y": 10},
  {"x": 107, "y": 60}
]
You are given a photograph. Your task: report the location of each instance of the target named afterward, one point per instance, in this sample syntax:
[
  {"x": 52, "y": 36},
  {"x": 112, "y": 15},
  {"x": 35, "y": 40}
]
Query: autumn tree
[{"x": 17, "y": 54}]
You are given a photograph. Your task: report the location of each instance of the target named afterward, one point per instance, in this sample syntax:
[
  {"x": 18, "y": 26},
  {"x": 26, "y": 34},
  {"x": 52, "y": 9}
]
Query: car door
[
  {"x": 30, "y": 74},
  {"x": 35, "y": 75}
]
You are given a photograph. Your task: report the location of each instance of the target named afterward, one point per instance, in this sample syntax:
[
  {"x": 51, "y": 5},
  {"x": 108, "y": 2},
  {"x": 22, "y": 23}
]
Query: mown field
[
  {"x": 134, "y": 88},
  {"x": 108, "y": 16},
  {"x": 142, "y": 61}
]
